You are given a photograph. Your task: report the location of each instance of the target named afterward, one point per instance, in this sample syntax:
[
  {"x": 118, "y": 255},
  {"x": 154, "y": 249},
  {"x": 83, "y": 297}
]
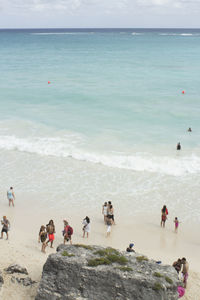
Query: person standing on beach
[
  {"x": 164, "y": 213},
  {"x": 86, "y": 227},
  {"x": 5, "y": 228},
  {"x": 50, "y": 230},
  {"x": 67, "y": 232},
  {"x": 105, "y": 211},
  {"x": 42, "y": 238},
  {"x": 177, "y": 265},
  {"x": 185, "y": 269},
  {"x": 110, "y": 212},
  {"x": 11, "y": 196},
  {"x": 176, "y": 223}
]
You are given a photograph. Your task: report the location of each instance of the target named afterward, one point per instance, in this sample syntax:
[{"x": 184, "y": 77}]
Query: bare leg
[
  {"x": 51, "y": 244},
  {"x": 87, "y": 234},
  {"x": 83, "y": 233},
  {"x": 43, "y": 247},
  {"x": 7, "y": 235}
]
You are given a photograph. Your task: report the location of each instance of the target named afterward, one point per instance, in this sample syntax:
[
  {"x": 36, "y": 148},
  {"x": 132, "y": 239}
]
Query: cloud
[
  {"x": 169, "y": 3},
  {"x": 43, "y": 5},
  {"x": 99, "y": 6}
]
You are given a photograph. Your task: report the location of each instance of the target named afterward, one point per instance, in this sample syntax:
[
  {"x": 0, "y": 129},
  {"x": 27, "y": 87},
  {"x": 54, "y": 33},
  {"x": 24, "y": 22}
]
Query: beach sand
[{"x": 145, "y": 232}]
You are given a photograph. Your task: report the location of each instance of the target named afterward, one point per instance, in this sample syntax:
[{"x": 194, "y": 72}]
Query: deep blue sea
[{"x": 111, "y": 96}]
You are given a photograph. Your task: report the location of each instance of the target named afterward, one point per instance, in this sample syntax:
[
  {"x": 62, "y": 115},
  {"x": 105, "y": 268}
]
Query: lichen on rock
[{"x": 105, "y": 274}]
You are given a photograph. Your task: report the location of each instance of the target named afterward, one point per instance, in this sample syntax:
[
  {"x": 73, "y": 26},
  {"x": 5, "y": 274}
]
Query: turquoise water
[{"x": 115, "y": 96}]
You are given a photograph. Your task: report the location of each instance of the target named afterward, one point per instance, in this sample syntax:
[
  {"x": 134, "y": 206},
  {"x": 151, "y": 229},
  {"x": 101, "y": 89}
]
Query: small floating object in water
[
  {"x": 49, "y": 82},
  {"x": 159, "y": 262},
  {"x": 183, "y": 92}
]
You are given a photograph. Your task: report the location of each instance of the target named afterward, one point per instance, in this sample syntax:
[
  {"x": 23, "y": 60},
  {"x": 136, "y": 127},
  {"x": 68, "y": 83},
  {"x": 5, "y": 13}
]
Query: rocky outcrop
[
  {"x": 1, "y": 280},
  {"x": 79, "y": 272},
  {"x": 16, "y": 269},
  {"x": 25, "y": 281}
]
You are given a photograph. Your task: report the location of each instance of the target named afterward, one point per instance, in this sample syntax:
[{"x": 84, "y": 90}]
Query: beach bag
[
  {"x": 181, "y": 291},
  {"x": 70, "y": 230}
]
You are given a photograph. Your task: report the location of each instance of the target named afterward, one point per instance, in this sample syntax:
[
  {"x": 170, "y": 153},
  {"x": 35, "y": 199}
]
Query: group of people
[
  {"x": 181, "y": 265},
  {"x": 47, "y": 233},
  {"x": 108, "y": 213},
  {"x": 178, "y": 146},
  {"x": 5, "y": 222},
  {"x": 164, "y": 214}
]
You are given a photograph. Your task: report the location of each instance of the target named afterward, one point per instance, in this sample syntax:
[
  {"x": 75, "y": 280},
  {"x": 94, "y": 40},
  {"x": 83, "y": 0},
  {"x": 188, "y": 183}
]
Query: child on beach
[
  {"x": 42, "y": 238},
  {"x": 50, "y": 230},
  {"x": 86, "y": 227},
  {"x": 176, "y": 223},
  {"x": 5, "y": 228}
]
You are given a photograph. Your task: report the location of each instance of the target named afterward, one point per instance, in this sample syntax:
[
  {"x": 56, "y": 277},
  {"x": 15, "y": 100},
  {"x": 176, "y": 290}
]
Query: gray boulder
[
  {"x": 27, "y": 281},
  {"x": 78, "y": 272},
  {"x": 1, "y": 280},
  {"x": 14, "y": 268}
]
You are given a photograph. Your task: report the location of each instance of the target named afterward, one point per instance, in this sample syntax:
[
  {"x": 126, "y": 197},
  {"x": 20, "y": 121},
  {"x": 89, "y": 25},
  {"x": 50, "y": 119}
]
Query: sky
[{"x": 99, "y": 13}]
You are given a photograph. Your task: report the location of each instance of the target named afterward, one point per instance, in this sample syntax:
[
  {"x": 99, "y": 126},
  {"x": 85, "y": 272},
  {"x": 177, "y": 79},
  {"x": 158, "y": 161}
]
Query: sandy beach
[{"x": 149, "y": 239}]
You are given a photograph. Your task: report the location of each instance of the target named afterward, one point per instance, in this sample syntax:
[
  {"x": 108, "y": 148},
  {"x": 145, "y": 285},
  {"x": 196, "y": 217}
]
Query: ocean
[{"x": 89, "y": 115}]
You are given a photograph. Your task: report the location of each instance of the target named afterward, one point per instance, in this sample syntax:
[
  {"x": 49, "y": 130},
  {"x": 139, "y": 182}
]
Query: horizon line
[{"x": 21, "y": 28}]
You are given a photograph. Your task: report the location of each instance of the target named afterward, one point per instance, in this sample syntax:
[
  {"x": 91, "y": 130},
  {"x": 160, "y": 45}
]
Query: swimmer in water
[
  {"x": 178, "y": 147},
  {"x": 189, "y": 129}
]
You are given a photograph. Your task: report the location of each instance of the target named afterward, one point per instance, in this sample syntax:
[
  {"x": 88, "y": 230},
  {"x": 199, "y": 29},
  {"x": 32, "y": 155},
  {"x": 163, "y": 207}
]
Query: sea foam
[{"x": 176, "y": 165}]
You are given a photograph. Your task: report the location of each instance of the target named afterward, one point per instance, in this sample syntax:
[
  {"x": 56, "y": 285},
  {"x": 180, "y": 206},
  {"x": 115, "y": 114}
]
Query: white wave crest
[
  {"x": 62, "y": 33},
  {"x": 136, "y": 33},
  {"x": 179, "y": 34},
  {"x": 67, "y": 147}
]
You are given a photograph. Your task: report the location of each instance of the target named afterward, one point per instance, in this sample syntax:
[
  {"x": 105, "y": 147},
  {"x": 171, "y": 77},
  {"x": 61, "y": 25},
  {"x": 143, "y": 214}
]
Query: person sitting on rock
[{"x": 130, "y": 248}]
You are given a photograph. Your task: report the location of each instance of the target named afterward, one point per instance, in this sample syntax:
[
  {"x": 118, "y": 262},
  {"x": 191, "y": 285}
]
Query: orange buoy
[
  {"x": 183, "y": 92},
  {"x": 49, "y": 82}
]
